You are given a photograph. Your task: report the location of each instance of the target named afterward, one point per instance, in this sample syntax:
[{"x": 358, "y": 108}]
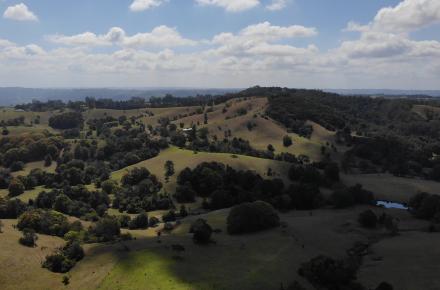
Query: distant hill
[
  {"x": 386, "y": 92},
  {"x": 17, "y": 95}
]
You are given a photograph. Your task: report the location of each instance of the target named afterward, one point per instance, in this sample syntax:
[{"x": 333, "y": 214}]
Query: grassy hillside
[{"x": 185, "y": 158}]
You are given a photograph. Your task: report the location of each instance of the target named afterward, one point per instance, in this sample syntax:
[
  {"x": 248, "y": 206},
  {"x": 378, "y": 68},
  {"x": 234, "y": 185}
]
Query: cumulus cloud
[
  {"x": 380, "y": 54},
  {"x": 231, "y": 5},
  {"x": 407, "y": 16},
  {"x": 277, "y": 5},
  {"x": 19, "y": 12},
  {"x": 161, "y": 36},
  {"x": 141, "y": 5}
]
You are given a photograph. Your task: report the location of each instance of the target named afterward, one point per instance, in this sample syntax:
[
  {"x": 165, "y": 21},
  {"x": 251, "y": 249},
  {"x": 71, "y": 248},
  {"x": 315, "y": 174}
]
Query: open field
[
  {"x": 389, "y": 187},
  {"x": 246, "y": 261},
  {"x": 21, "y": 266},
  {"x": 186, "y": 158}
]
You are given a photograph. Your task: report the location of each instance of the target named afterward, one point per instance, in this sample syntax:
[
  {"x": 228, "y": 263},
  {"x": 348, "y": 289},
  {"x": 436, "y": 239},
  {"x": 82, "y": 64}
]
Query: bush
[
  {"x": 368, "y": 219},
  {"x": 329, "y": 273},
  {"x": 185, "y": 193},
  {"x": 29, "y": 238},
  {"x": 252, "y": 217},
  {"x": 58, "y": 263},
  {"x": 201, "y": 231},
  {"x": 16, "y": 187},
  {"x": 44, "y": 222},
  {"x": 106, "y": 229},
  {"x": 139, "y": 222},
  {"x": 287, "y": 141}
]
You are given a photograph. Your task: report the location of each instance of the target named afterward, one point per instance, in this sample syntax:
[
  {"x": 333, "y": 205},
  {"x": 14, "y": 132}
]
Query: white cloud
[
  {"x": 6, "y": 43},
  {"x": 141, "y": 5},
  {"x": 381, "y": 55},
  {"x": 407, "y": 16},
  {"x": 277, "y": 5},
  {"x": 19, "y": 12},
  {"x": 161, "y": 36},
  {"x": 231, "y": 5},
  {"x": 272, "y": 32}
]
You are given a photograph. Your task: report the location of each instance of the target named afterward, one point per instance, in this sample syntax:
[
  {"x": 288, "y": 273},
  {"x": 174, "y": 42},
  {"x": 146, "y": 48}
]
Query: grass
[
  {"x": 20, "y": 266},
  {"x": 186, "y": 158},
  {"x": 234, "y": 262},
  {"x": 389, "y": 187}
]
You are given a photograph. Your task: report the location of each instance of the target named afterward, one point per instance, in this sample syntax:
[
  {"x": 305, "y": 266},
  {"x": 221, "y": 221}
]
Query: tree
[
  {"x": 29, "y": 238},
  {"x": 331, "y": 171},
  {"x": 287, "y": 141},
  {"x": 169, "y": 169},
  {"x": 1, "y": 227},
  {"x": 16, "y": 187},
  {"x": 201, "y": 231},
  {"x": 109, "y": 186},
  {"x": 205, "y": 119},
  {"x": 251, "y": 217},
  {"x": 106, "y": 229},
  {"x": 139, "y": 222},
  {"x": 68, "y": 120},
  {"x": 368, "y": 219},
  {"x": 47, "y": 161},
  {"x": 270, "y": 148}
]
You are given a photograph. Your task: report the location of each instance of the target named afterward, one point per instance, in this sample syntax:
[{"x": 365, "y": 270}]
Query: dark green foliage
[
  {"x": 305, "y": 196},
  {"x": 29, "y": 238},
  {"x": 346, "y": 197},
  {"x": 68, "y": 120},
  {"x": 287, "y": 141},
  {"x": 252, "y": 217},
  {"x": 201, "y": 231},
  {"x": 328, "y": 273},
  {"x": 16, "y": 187},
  {"x": 58, "y": 263},
  {"x": 331, "y": 171},
  {"x": 185, "y": 193},
  {"x": 139, "y": 222},
  {"x": 11, "y": 208},
  {"x": 106, "y": 229},
  {"x": 139, "y": 193},
  {"x": 368, "y": 219},
  {"x": 44, "y": 222},
  {"x": 425, "y": 206}
]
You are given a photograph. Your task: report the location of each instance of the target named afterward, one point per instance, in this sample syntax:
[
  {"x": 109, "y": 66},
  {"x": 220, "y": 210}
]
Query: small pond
[{"x": 390, "y": 204}]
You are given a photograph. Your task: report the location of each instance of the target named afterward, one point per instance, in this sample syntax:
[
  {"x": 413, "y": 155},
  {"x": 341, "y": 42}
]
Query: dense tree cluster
[
  {"x": 252, "y": 217},
  {"x": 140, "y": 192},
  {"x": 426, "y": 206},
  {"x": 67, "y": 120},
  {"x": 65, "y": 258},
  {"x": 28, "y": 148},
  {"x": 385, "y": 132}
]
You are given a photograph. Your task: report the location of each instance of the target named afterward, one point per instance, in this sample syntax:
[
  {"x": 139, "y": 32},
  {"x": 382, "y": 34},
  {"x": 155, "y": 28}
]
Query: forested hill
[
  {"x": 16, "y": 95},
  {"x": 396, "y": 135}
]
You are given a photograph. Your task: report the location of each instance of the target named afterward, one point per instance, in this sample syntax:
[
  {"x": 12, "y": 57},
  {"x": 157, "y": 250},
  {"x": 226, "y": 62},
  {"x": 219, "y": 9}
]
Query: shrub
[
  {"x": 287, "y": 141},
  {"x": 58, "y": 263},
  {"x": 29, "y": 238},
  {"x": 252, "y": 217},
  {"x": 44, "y": 222},
  {"x": 139, "y": 222},
  {"x": 368, "y": 219},
  {"x": 328, "y": 273},
  {"x": 201, "y": 231},
  {"x": 16, "y": 187},
  {"x": 106, "y": 229}
]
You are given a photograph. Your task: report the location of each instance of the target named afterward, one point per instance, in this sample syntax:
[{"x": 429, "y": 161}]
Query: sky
[{"x": 341, "y": 44}]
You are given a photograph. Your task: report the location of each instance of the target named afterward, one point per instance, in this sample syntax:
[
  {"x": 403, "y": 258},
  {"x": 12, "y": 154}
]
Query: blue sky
[{"x": 220, "y": 43}]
